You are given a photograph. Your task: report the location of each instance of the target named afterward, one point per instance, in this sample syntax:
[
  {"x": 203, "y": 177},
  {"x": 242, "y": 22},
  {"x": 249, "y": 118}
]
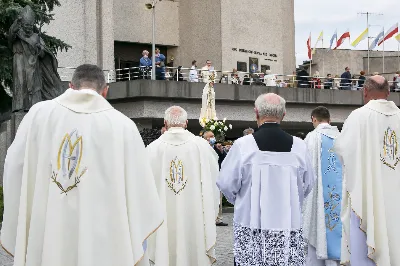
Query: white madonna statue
[{"x": 208, "y": 102}]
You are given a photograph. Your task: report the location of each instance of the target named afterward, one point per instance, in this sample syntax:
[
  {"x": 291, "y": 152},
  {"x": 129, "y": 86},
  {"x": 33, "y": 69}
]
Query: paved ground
[{"x": 224, "y": 246}]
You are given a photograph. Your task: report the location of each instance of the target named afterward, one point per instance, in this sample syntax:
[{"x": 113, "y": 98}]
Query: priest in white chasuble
[
  {"x": 321, "y": 210},
  {"x": 267, "y": 175},
  {"x": 78, "y": 188},
  {"x": 369, "y": 147},
  {"x": 185, "y": 169}
]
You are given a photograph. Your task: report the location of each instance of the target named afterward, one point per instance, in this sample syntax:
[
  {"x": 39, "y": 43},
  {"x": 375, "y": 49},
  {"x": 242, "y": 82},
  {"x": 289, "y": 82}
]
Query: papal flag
[
  {"x": 320, "y": 38},
  {"x": 360, "y": 38},
  {"x": 397, "y": 37}
]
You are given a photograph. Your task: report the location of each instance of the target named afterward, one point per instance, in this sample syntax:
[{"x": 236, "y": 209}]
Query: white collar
[
  {"x": 176, "y": 136},
  {"x": 383, "y": 106},
  {"x": 83, "y": 101}
]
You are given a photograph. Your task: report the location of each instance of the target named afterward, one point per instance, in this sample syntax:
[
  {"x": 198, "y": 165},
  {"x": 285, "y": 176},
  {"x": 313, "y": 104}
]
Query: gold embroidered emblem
[
  {"x": 68, "y": 163},
  {"x": 390, "y": 153},
  {"x": 177, "y": 181}
]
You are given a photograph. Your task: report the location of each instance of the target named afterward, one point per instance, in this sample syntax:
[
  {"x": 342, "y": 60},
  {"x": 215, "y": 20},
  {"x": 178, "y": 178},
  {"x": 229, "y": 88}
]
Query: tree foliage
[{"x": 9, "y": 10}]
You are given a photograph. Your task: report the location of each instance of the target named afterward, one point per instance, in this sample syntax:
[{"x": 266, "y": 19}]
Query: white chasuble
[
  {"x": 185, "y": 168},
  {"x": 78, "y": 188},
  {"x": 321, "y": 210},
  {"x": 267, "y": 189},
  {"x": 369, "y": 147}
]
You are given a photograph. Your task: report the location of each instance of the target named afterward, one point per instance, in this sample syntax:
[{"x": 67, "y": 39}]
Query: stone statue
[{"x": 35, "y": 76}]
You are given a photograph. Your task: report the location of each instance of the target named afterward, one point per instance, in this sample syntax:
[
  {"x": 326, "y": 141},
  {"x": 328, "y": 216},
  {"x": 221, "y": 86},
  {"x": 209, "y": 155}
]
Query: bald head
[
  {"x": 376, "y": 87},
  {"x": 377, "y": 83},
  {"x": 175, "y": 116},
  {"x": 270, "y": 107}
]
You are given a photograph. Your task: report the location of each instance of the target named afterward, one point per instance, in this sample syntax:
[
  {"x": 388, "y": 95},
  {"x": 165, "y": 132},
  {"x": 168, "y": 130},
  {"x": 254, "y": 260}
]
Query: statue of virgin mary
[{"x": 208, "y": 102}]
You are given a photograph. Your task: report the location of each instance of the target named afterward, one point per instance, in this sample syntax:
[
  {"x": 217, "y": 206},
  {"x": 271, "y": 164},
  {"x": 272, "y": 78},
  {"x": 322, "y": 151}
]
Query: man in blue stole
[{"x": 321, "y": 215}]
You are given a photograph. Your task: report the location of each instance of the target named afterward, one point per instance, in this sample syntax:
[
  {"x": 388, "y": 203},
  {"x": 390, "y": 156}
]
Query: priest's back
[
  {"x": 369, "y": 146},
  {"x": 266, "y": 176},
  {"x": 77, "y": 185},
  {"x": 185, "y": 168}
]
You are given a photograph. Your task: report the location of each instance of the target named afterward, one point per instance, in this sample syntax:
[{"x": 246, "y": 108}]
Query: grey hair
[
  {"x": 269, "y": 108},
  {"x": 89, "y": 76},
  {"x": 175, "y": 116},
  {"x": 145, "y": 52},
  {"x": 248, "y": 131}
]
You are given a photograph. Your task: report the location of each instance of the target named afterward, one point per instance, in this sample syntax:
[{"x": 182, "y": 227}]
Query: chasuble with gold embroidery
[
  {"x": 78, "y": 188},
  {"x": 369, "y": 147},
  {"x": 185, "y": 169}
]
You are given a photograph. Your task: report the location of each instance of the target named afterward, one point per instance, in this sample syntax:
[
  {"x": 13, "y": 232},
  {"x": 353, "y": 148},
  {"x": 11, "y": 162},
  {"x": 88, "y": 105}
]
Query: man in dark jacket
[
  {"x": 345, "y": 80},
  {"x": 302, "y": 78}
]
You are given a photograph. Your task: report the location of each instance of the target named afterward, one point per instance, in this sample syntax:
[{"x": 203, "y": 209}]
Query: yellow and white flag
[
  {"x": 320, "y": 38},
  {"x": 360, "y": 38},
  {"x": 397, "y": 37}
]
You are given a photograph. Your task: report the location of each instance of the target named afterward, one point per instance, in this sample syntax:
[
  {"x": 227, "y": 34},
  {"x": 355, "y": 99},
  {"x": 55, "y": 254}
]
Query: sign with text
[{"x": 240, "y": 50}]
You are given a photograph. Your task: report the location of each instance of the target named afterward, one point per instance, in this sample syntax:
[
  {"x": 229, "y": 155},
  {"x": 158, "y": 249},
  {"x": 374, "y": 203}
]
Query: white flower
[
  {"x": 230, "y": 126},
  {"x": 224, "y": 119},
  {"x": 226, "y": 128},
  {"x": 207, "y": 120},
  {"x": 219, "y": 130},
  {"x": 221, "y": 123},
  {"x": 212, "y": 127},
  {"x": 216, "y": 124}
]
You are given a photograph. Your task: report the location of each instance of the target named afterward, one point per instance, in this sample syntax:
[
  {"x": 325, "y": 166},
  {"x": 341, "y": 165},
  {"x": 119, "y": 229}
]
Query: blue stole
[{"x": 331, "y": 170}]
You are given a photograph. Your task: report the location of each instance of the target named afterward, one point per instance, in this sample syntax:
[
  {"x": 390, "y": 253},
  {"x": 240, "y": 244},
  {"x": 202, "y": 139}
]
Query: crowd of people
[
  {"x": 300, "y": 78},
  {"x": 80, "y": 187}
]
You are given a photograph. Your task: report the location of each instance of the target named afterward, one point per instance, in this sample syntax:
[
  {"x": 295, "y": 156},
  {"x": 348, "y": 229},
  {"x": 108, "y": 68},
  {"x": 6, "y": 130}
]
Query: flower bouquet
[{"x": 219, "y": 128}]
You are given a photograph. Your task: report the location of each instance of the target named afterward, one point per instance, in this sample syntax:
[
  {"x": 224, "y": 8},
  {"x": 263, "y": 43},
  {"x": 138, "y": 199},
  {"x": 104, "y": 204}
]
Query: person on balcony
[
  {"x": 160, "y": 65},
  {"x": 145, "y": 65}
]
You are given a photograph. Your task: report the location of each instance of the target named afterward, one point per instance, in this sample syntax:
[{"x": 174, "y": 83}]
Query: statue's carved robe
[{"x": 35, "y": 76}]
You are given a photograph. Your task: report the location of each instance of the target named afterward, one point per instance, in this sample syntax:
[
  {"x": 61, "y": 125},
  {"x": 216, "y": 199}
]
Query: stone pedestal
[{"x": 8, "y": 130}]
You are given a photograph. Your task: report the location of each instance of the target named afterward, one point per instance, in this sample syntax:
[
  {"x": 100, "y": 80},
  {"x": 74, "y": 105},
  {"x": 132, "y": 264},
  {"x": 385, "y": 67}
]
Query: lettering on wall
[{"x": 271, "y": 59}]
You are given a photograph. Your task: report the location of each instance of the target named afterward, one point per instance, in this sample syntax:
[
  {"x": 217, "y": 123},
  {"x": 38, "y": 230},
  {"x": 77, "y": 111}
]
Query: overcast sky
[{"x": 317, "y": 15}]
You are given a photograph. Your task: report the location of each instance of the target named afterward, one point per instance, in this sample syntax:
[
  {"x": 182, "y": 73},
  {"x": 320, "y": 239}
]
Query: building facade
[
  {"x": 327, "y": 61},
  {"x": 250, "y": 36}
]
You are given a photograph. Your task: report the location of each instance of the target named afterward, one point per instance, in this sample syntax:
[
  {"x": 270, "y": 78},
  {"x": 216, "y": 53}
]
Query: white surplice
[
  {"x": 78, "y": 188},
  {"x": 267, "y": 189},
  {"x": 313, "y": 209},
  {"x": 369, "y": 147},
  {"x": 185, "y": 168}
]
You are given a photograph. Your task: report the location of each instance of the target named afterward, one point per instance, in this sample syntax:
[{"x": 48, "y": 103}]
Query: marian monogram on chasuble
[
  {"x": 68, "y": 174},
  {"x": 176, "y": 181},
  {"x": 331, "y": 170},
  {"x": 390, "y": 155}
]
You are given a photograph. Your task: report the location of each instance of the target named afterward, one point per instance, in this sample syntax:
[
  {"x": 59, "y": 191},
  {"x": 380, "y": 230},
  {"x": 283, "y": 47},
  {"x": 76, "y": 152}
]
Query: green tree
[{"x": 9, "y": 10}]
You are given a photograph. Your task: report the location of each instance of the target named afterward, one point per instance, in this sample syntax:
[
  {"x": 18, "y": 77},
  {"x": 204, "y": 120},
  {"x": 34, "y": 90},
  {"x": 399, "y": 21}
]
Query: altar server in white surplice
[
  {"x": 369, "y": 147},
  {"x": 78, "y": 188},
  {"x": 321, "y": 210},
  {"x": 266, "y": 176},
  {"x": 185, "y": 168}
]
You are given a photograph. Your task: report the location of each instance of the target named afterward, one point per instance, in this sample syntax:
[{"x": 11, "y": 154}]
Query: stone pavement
[{"x": 224, "y": 248}]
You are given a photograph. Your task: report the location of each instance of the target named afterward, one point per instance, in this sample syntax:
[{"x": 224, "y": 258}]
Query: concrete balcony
[{"x": 145, "y": 102}]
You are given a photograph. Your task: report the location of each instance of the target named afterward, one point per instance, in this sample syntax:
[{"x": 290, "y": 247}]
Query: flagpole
[
  {"x": 351, "y": 67},
  {"x": 323, "y": 58},
  {"x": 398, "y": 54},
  {"x": 311, "y": 62},
  {"x": 383, "y": 56},
  {"x": 368, "y": 41}
]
